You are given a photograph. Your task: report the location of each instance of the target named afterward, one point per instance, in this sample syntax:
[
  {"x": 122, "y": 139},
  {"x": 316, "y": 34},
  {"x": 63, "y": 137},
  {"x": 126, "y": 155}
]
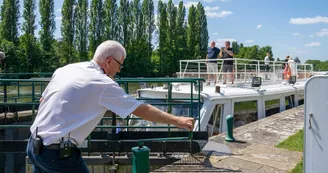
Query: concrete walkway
[{"x": 254, "y": 150}]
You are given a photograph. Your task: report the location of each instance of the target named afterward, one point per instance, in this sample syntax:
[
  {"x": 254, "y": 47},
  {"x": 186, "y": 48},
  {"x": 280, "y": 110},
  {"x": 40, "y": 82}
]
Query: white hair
[
  {"x": 109, "y": 48},
  {"x": 2, "y": 55}
]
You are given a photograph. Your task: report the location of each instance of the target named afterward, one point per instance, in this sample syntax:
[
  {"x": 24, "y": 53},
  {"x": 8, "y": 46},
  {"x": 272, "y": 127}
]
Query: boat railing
[{"x": 244, "y": 70}]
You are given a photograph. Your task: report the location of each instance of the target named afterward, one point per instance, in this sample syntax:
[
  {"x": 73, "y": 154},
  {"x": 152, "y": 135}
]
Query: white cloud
[
  {"x": 208, "y": 0},
  {"x": 322, "y": 32},
  {"x": 308, "y": 20},
  {"x": 292, "y": 48},
  {"x": 59, "y": 18},
  {"x": 223, "y": 0},
  {"x": 190, "y": 3},
  {"x": 59, "y": 10},
  {"x": 221, "y": 14},
  {"x": 313, "y": 44},
  {"x": 302, "y": 52},
  {"x": 311, "y": 36},
  {"x": 296, "y": 34},
  {"x": 220, "y": 42},
  {"x": 209, "y": 9},
  {"x": 249, "y": 41},
  {"x": 259, "y": 26}
]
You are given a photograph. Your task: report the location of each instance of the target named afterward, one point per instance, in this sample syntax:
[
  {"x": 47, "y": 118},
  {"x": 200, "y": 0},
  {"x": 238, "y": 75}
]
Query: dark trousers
[{"x": 48, "y": 161}]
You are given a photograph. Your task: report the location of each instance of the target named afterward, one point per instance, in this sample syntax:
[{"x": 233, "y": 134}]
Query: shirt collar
[
  {"x": 97, "y": 65},
  {"x": 101, "y": 69}
]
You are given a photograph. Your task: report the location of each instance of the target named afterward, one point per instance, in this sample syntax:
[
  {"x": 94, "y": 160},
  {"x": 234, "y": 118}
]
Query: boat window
[
  {"x": 245, "y": 112},
  {"x": 178, "y": 110},
  {"x": 289, "y": 102},
  {"x": 215, "y": 119},
  {"x": 272, "y": 107}
]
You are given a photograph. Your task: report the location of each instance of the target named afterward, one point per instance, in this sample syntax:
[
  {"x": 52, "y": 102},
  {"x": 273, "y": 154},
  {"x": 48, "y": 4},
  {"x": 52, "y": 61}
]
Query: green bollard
[
  {"x": 229, "y": 137},
  {"x": 140, "y": 159}
]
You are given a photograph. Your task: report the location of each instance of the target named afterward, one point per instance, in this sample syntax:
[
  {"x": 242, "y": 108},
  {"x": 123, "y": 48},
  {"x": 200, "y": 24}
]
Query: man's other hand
[{"x": 186, "y": 123}]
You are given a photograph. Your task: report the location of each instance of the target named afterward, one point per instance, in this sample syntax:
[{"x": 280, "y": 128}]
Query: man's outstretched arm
[{"x": 151, "y": 113}]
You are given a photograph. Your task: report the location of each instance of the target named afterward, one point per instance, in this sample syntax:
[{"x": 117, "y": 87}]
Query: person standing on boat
[
  {"x": 227, "y": 53},
  {"x": 267, "y": 65},
  {"x": 212, "y": 65},
  {"x": 74, "y": 102},
  {"x": 297, "y": 60}
]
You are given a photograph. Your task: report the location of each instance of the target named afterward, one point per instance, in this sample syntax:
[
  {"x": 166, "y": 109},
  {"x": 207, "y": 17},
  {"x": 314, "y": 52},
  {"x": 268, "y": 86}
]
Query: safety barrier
[{"x": 35, "y": 87}]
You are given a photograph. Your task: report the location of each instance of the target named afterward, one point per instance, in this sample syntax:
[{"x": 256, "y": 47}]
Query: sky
[{"x": 290, "y": 27}]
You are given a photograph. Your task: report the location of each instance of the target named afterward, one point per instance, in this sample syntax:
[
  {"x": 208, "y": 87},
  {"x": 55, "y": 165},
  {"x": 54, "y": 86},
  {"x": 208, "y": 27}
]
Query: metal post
[
  {"x": 259, "y": 68},
  {"x": 198, "y": 70},
  {"x": 245, "y": 73},
  {"x": 140, "y": 159},
  {"x": 236, "y": 76},
  {"x": 229, "y": 137},
  {"x": 274, "y": 72},
  {"x": 180, "y": 68}
]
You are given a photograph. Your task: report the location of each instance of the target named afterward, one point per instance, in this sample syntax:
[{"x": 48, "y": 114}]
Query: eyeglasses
[{"x": 121, "y": 65}]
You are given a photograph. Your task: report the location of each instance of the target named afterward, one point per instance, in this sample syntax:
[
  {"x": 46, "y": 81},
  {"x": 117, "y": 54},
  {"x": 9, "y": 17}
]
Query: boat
[{"x": 252, "y": 85}]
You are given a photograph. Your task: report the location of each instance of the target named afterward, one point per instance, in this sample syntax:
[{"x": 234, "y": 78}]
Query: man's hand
[{"x": 185, "y": 123}]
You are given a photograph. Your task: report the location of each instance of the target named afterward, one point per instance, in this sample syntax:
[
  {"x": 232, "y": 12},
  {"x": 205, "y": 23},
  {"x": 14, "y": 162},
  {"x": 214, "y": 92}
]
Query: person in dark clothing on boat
[
  {"x": 297, "y": 60},
  {"x": 226, "y": 54}
]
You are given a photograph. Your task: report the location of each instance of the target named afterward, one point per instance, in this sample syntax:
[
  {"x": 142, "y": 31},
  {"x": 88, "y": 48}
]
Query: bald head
[
  {"x": 107, "y": 49},
  {"x": 212, "y": 43}
]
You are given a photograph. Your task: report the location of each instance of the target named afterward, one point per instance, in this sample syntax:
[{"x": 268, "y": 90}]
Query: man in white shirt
[{"x": 75, "y": 101}]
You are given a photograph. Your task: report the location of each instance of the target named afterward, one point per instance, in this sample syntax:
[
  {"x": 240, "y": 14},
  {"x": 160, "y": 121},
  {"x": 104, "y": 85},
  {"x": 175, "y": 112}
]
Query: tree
[
  {"x": 81, "y": 29},
  {"x": 235, "y": 47},
  {"x": 96, "y": 26},
  {"x": 110, "y": 21},
  {"x": 192, "y": 32},
  {"x": 48, "y": 28},
  {"x": 163, "y": 40},
  {"x": 202, "y": 29},
  {"x": 149, "y": 25},
  {"x": 9, "y": 20},
  {"x": 124, "y": 21},
  {"x": 28, "y": 43},
  {"x": 68, "y": 30},
  {"x": 47, "y": 23},
  {"x": 181, "y": 36}
]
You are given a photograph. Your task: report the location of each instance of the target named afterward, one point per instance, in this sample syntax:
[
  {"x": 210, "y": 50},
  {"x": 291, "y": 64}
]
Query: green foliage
[
  {"x": 132, "y": 23},
  {"x": 81, "y": 30},
  {"x": 96, "y": 26},
  {"x": 318, "y": 65},
  {"x": 9, "y": 20},
  {"x": 252, "y": 52},
  {"x": 68, "y": 30},
  {"x": 47, "y": 25},
  {"x": 294, "y": 143}
]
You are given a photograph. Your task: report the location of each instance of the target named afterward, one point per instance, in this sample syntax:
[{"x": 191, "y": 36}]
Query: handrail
[{"x": 167, "y": 102}]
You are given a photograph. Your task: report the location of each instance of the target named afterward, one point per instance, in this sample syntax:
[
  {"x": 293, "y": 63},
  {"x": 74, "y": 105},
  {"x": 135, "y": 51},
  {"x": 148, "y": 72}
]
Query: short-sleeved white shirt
[
  {"x": 76, "y": 99},
  {"x": 266, "y": 60}
]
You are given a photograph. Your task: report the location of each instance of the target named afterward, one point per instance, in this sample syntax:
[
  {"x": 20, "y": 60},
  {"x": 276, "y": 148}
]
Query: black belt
[{"x": 52, "y": 146}]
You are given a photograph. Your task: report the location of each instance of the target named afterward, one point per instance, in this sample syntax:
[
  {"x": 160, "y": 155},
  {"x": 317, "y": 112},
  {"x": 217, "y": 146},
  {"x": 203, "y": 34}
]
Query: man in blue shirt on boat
[{"x": 211, "y": 63}]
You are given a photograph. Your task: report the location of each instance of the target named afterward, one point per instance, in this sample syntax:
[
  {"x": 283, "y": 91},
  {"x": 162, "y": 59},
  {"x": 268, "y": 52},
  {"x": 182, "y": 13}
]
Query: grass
[{"x": 294, "y": 143}]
